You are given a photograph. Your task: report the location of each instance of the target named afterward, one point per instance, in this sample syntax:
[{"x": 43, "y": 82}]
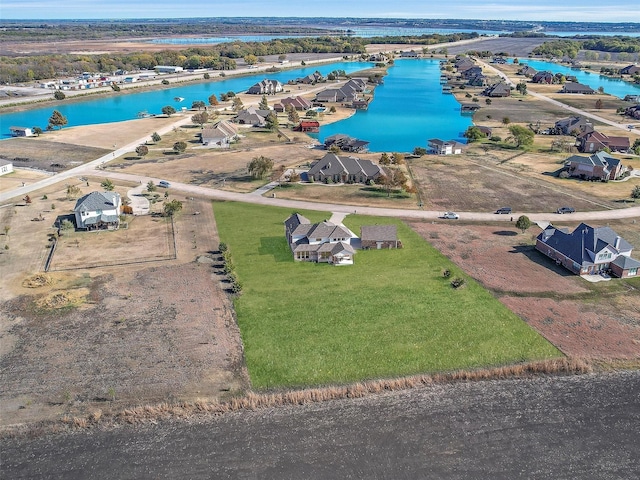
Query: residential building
[
  {"x": 308, "y": 126},
  {"x": 573, "y": 126},
  {"x": 346, "y": 143},
  {"x": 443, "y": 147},
  {"x": 592, "y": 142},
  {"x": 252, "y": 116},
  {"x": 588, "y": 250},
  {"x": 342, "y": 169},
  {"x": 21, "y": 132},
  {"x": 499, "y": 89},
  {"x": 543, "y": 77},
  {"x": 98, "y": 210},
  {"x": 266, "y": 87},
  {"x": 599, "y": 166},
  {"x": 630, "y": 70},
  {"x": 220, "y": 135},
  {"x": 6, "y": 166},
  {"x": 379, "y": 237},
  {"x": 322, "y": 242},
  {"x": 575, "y": 87},
  {"x": 299, "y": 103},
  {"x": 527, "y": 71}
]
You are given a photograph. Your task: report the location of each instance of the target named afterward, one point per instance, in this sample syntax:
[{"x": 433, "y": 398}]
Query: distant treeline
[
  {"x": 423, "y": 39},
  {"x": 571, "y": 47}
]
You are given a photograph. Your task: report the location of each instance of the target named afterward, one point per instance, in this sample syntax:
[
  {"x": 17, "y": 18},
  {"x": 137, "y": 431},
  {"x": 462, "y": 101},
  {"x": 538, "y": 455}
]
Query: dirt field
[
  {"x": 587, "y": 320},
  {"x": 95, "y": 339}
]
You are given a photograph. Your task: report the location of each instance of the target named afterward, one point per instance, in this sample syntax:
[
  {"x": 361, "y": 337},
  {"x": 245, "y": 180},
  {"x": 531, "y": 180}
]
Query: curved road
[{"x": 573, "y": 427}]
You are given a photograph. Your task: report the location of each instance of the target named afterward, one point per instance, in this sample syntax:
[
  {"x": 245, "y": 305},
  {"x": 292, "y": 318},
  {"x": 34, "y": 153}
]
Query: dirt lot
[
  {"x": 101, "y": 338},
  {"x": 588, "y": 320}
]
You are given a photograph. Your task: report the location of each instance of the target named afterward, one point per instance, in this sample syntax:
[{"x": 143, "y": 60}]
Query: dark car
[
  {"x": 504, "y": 210},
  {"x": 565, "y": 210}
]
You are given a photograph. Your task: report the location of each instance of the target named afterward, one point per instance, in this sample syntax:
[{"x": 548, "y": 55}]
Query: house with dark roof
[
  {"x": 595, "y": 141},
  {"x": 543, "y": 77},
  {"x": 220, "y": 135},
  {"x": 252, "y": 116},
  {"x": 499, "y": 89},
  {"x": 98, "y": 210},
  {"x": 299, "y": 103},
  {"x": 588, "y": 250},
  {"x": 630, "y": 70},
  {"x": 323, "y": 242},
  {"x": 575, "y": 87},
  {"x": 599, "y": 166},
  {"x": 346, "y": 143},
  {"x": 342, "y": 169},
  {"x": 379, "y": 237},
  {"x": 573, "y": 126},
  {"x": 527, "y": 71},
  {"x": 409, "y": 54},
  {"x": 347, "y": 93},
  {"x": 266, "y": 87}
]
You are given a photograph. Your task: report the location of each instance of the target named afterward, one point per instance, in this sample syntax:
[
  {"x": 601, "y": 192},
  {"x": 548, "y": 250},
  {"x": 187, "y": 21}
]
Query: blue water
[
  {"x": 612, "y": 86},
  {"x": 406, "y": 112},
  {"x": 117, "y": 108}
]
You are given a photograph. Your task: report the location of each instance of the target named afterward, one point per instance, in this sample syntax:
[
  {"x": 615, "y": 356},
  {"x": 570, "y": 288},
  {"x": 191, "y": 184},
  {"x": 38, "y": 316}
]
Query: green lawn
[{"x": 390, "y": 314}]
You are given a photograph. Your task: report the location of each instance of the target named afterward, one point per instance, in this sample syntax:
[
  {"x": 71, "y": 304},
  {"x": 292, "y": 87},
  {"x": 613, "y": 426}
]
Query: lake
[
  {"x": 612, "y": 86},
  {"x": 407, "y": 110},
  {"x": 117, "y": 108}
]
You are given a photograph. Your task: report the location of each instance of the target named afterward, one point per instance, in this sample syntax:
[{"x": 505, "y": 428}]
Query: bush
[
  {"x": 165, "y": 82},
  {"x": 446, "y": 273},
  {"x": 495, "y": 138},
  {"x": 457, "y": 282},
  {"x": 59, "y": 95},
  {"x": 223, "y": 247}
]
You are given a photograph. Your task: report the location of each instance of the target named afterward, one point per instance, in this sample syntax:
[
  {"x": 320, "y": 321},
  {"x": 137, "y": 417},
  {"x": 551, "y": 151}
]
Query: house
[
  {"x": 472, "y": 72},
  {"x": 485, "y": 130},
  {"x": 342, "y": 169},
  {"x": 21, "y": 132},
  {"x": 311, "y": 79},
  {"x": 409, "y": 54},
  {"x": 252, "y": 116},
  {"x": 588, "y": 250},
  {"x": 347, "y": 93},
  {"x": 499, "y": 89},
  {"x": 469, "y": 107},
  {"x": 98, "y": 210},
  {"x": 5, "y": 166},
  {"x": 220, "y": 135},
  {"x": 323, "y": 242},
  {"x": 574, "y": 87},
  {"x": 346, "y": 143},
  {"x": 299, "y": 103},
  {"x": 595, "y": 141},
  {"x": 308, "y": 126},
  {"x": 360, "y": 104},
  {"x": 543, "y": 77},
  {"x": 573, "y": 126},
  {"x": 477, "y": 81},
  {"x": 527, "y": 71},
  {"x": 499, "y": 60},
  {"x": 630, "y": 70},
  {"x": 633, "y": 112},
  {"x": 464, "y": 63},
  {"x": 599, "y": 166},
  {"x": 443, "y": 147},
  {"x": 379, "y": 237},
  {"x": 266, "y": 87},
  {"x": 632, "y": 98}
]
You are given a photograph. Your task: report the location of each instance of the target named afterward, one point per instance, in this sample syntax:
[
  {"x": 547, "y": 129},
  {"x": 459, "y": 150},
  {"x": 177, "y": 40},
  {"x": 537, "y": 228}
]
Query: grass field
[{"x": 391, "y": 314}]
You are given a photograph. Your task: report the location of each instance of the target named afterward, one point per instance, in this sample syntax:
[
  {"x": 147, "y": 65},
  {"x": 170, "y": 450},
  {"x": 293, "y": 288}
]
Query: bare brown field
[{"x": 582, "y": 319}]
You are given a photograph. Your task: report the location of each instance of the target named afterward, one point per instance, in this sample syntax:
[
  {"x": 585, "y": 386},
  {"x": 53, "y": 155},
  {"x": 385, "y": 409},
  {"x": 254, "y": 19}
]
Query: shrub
[
  {"x": 165, "y": 82},
  {"x": 446, "y": 273},
  {"x": 457, "y": 282},
  {"x": 223, "y": 247}
]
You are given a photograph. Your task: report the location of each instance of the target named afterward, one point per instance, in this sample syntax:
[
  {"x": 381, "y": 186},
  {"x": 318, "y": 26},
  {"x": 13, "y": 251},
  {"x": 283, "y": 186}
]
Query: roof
[
  {"x": 379, "y": 233},
  {"x": 600, "y": 159},
  {"x": 4, "y": 162},
  {"x": 626, "y": 263},
  {"x": 94, "y": 201},
  {"x": 332, "y": 164},
  {"x": 577, "y": 87}
]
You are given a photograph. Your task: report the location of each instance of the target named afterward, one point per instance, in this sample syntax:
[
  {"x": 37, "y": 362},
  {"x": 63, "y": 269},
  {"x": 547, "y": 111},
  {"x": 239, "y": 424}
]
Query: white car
[
  {"x": 164, "y": 184},
  {"x": 451, "y": 216}
]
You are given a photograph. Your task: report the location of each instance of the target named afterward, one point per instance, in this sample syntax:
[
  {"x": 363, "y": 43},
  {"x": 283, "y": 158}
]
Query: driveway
[{"x": 139, "y": 203}]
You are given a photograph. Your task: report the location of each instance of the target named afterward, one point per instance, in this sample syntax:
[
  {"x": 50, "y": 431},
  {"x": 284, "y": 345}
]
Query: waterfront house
[
  {"x": 472, "y": 72},
  {"x": 343, "y": 169},
  {"x": 499, "y": 89},
  {"x": 323, "y": 242},
  {"x": 21, "y": 132},
  {"x": 266, "y": 87},
  {"x": 6, "y": 166},
  {"x": 220, "y": 135},
  {"x": 379, "y": 237},
  {"x": 588, "y": 250},
  {"x": 633, "y": 112},
  {"x": 599, "y": 166},
  {"x": 98, "y": 210},
  {"x": 443, "y": 147},
  {"x": 527, "y": 71},
  {"x": 469, "y": 107},
  {"x": 477, "y": 81},
  {"x": 346, "y": 143},
  {"x": 574, "y": 87},
  {"x": 308, "y": 126},
  {"x": 543, "y": 77},
  {"x": 409, "y": 54},
  {"x": 592, "y": 142},
  {"x": 630, "y": 70}
]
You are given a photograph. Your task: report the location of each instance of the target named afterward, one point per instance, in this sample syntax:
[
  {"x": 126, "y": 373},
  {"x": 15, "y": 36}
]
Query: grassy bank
[{"x": 393, "y": 313}]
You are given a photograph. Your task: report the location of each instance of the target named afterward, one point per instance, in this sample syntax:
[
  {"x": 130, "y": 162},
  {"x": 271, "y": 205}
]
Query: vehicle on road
[
  {"x": 450, "y": 216},
  {"x": 563, "y": 210},
  {"x": 164, "y": 184},
  {"x": 504, "y": 211}
]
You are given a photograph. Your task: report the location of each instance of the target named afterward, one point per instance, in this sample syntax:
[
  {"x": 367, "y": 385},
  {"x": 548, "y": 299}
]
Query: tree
[
  {"x": 59, "y": 95},
  {"x": 260, "y": 167},
  {"x": 250, "y": 59},
  {"x": 168, "y": 110},
  {"x": 397, "y": 159},
  {"x": 419, "y": 151},
  {"x": 198, "y": 104},
  {"x": 522, "y": 136},
  {"x": 151, "y": 187},
  {"x": 332, "y": 109},
  {"x": 271, "y": 122},
  {"x": 311, "y": 113},
  {"x": 206, "y": 76},
  {"x": 392, "y": 178},
  {"x": 293, "y": 116},
  {"x": 523, "y": 223},
  {"x": 282, "y": 58},
  {"x": 213, "y": 100},
  {"x": 264, "y": 103},
  {"x": 599, "y": 104},
  {"x": 473, "y": 134},
  {"x": 506, "y": 120},
  {"x": 237, "y": 104},
  {"x": 385, "y": 159},
  {"x": 155, "y": 137},
  {"x": 635, "y": 193},
  {"x": 200, "y": 118},
  {"x": 107, "y": 185},
  {"x": 27, "y": 199},
  {"x": 179, "y": 147},
  {"x": 73, "y": 191},
  {"x": 335, "y": 148},
  {"x": 522, "y": 88},
  {"x": 37, "y": 131},
  {"x": 57, "y": 120},
  {"x": 172, "y": 207},
  {"x": 142, "y": 150}
]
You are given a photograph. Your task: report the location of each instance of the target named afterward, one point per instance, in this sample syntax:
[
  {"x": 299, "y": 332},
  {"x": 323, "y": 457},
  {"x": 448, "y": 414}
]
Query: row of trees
[{"x": 625, "y": 46}]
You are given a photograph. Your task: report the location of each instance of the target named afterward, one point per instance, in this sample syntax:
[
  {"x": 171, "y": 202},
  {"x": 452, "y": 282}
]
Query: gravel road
[{"x": 582, "y": 427}]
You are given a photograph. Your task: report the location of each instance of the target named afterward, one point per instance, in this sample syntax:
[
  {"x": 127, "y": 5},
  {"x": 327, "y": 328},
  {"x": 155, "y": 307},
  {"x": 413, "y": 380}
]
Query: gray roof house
[
  {"x": 573, "y": 125},
  {"x": 346, "y": 143},
  {"x": 266, "y": 87},
  {"x": 499, "y": 89},
  {"x": 588, "y": 250},
  {"x": 575, "y": 87},
  {"x": 379, "y": 237},
  {"x": 323, "y": 242},
  {"x": 219, "y": 135},
  {"x": 252, "y": 116},
  {"x": 98, "y": 210},
  {"x": 599, "y": 166},
  {"x": 335, "y": 169}
]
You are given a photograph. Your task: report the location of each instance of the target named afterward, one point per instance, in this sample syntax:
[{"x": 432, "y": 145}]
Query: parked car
[
  {"x": 504, "y": 210},
  {"x": 164, "y": 184},
  {"x": 565, "y": 210},
  {"x": 451, "y": 216}
]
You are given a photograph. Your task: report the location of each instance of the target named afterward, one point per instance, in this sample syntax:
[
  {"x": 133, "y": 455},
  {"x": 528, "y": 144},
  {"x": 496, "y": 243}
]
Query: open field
[
  {"x": 91, "y": 338},
  {"x": 583, "y": 319},
  {"x": 392, "y": 313}
]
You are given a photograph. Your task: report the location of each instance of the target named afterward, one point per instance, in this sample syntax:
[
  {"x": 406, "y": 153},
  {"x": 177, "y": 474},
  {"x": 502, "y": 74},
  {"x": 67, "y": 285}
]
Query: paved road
[{"x": 576, "y": 427}]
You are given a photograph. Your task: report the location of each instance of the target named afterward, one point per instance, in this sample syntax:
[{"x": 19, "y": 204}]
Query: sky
[{"x": 530, "y": 10}]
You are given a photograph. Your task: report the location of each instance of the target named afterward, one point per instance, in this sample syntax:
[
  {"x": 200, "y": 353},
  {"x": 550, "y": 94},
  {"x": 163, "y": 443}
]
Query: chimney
[{"x": 617, "y": 243}]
